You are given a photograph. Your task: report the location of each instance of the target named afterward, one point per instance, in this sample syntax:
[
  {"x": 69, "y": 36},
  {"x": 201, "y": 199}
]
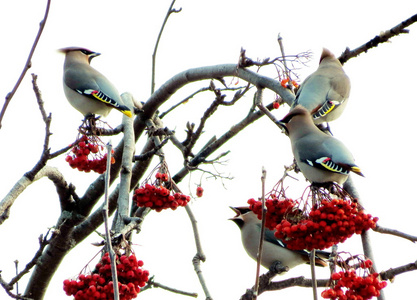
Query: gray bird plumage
[
  {"x": 274, "y": 249},
  {"x": 325, "y": 92},
  {"x": 86, "y": 89},
  {"x": 320, "y": 157}
]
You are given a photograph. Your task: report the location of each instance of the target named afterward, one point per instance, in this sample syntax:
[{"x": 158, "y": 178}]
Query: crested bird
[
  {"x": 274, "y": 250},
  {"x": 320, "y": 157},
  {"x": 86, "y": 89},
  {"x": 325, "y": 92}
]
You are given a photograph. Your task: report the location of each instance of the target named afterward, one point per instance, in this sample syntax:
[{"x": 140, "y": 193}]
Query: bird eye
[{"x": 86, "y": 52}]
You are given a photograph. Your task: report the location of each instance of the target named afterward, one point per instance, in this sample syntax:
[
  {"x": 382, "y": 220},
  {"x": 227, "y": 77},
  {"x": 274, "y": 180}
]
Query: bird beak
[
  {"x": 92, "y": 55},
  {"x": 95, "y": 54},
  {"x": 237, "y": 211}
]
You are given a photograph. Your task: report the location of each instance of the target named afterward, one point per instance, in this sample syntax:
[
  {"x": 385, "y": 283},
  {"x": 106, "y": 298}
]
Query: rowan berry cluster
[
  {"x": 158, "y": 197},
  {"x": 349, "y": 286},
  {"x": 328, "y": 223},
  {"x": 99, "y": 284},
  {"x": 276, "y": 210},
  {"x": 86, "y": 156}
]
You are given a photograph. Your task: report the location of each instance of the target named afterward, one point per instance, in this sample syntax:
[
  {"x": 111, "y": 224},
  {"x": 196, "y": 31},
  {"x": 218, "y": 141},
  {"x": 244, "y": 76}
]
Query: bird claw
[{"x": 278, "y": 268}]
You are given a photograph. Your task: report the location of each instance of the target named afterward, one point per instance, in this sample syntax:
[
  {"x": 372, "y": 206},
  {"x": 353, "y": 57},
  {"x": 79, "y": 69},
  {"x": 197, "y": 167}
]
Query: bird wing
[
  {"x": 270, "y": 237},
  {"x": 321, "y": 94},
  {"x": 94, "y": 87},
  {"x": 320, "y": 255},
  {"x": 330, "y": 155}
]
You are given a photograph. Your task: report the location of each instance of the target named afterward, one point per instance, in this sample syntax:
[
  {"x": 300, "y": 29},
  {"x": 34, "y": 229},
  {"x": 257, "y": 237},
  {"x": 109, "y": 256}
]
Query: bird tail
[{"x": 320, "y": 260}]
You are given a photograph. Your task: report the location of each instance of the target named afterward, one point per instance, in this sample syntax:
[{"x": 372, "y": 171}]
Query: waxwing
[
  {"x": 86, "y": 89},
  {"x": 274, "y": 250},
  {"x": 320, "y": 157},
  {"x": 325, "y": 93}
]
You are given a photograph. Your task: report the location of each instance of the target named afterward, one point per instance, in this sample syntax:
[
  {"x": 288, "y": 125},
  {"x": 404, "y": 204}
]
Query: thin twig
[
  {"x": 313, "y": 273},
  {"x": 287, "y": 73},
  {"x": 365, "y": 238},
  {"x": 263, "y": 109},
  {"x": 16, "y": 264},
  {"x": 105, "y": 212},
  {"x": 47, "y": 119},
  {"x": 43, "y": 242},
  {"x": 151, "y": 283},
  {"x": 200, "y": 256},
  {"x": 261, "y": 237},
  {"x": 237, "y": 96},
  {"x": 170, "y": 11},
  {"x": 207, "y": 114},
  {"x": 28, "y": 63}
]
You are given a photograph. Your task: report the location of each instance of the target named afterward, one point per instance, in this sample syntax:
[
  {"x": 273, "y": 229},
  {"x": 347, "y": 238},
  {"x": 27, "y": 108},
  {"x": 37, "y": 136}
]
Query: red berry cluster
[
  {"x": 86, "y": 156},
  {"x": 350, "y": 286},
  {"x": 276, "y": 210},
  {"x": 329, "y": 223},
  {"x": 99, "y": 284},
  {"x": 200, "y": 191},
  {"x": 158, "y": 197}
]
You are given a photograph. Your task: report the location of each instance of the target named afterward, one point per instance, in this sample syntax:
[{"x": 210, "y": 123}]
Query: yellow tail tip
[
  {"x": 127, "y": 113},
  {"x": 357, "y": 170}
]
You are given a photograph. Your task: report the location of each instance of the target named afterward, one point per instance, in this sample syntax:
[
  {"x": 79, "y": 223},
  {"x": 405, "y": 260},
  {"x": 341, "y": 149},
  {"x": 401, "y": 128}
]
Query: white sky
[{"x": 377, "y": 126}]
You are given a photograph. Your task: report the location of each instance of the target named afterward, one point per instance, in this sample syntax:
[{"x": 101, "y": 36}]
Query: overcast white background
[{"x": 378, "y": 125}]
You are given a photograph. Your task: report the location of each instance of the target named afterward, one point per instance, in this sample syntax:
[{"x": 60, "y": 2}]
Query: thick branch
[
  {"x": 64, "y": 190},
  {"x": 126, "y": 171}
]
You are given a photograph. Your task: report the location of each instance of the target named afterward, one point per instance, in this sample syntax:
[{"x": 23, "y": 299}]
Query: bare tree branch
[
  {"x": 391, "y": 273},
  {"x": 126, "y": 170},
  {"x": 395, "y": 232},
  {"x": 47, "y": 119},
  {"x": 151, "y": 283},
  {"x": 43, "y": 241},
  {"x": 64, "y": 190},
  {"x": 379, "y": 39},
  {"x": 170, "y": 11},
  {"x": 28, "y": 63},
  {"x": 365, "y": 238}
]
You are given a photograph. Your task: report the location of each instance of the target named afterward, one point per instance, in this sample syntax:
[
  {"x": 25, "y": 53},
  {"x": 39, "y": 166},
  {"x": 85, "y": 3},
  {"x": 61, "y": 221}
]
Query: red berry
[{"x": 199, "y": 191}]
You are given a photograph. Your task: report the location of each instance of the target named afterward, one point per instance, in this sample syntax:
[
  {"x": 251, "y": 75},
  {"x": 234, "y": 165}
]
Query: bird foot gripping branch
[{"x": 278, "y": 268}]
